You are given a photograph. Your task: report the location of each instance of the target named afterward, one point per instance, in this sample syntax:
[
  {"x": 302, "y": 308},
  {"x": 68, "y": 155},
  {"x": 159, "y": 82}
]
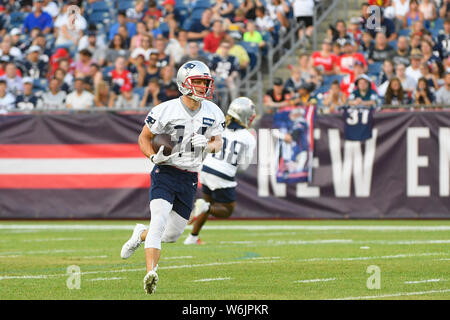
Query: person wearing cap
[
  {"x": 413, "y": 70},
  {"x": 170, "y": 13},
  {"x": 443, "y": 94},
  {"x": 212, "y": 41},
  {"x": 363, "y": 95},
  {"x": 348, "y": 82},
  {"x": 253, "y": 35},
  {"x": 325, "y": 59},
  {"x": 347, "y": 61},
  {"x": 354, "y": 29},
  {"x": 122, "y": 21},
  {"x": 15, "y": 34},
  {"x": 277, "y": 96},
  {"x": 127, "y": 99},
  {"x": 27, "y": 100},
  {"x": 303, "y": 95},
  {"x": 95, "y": 44},
  {"x": 38, "y": 18},
  {"x": 7, "y": 99},
  {"x": 34, "y": 66},
  {"x": 80, "y": 98},
  {"x": 54, "y": 98}
]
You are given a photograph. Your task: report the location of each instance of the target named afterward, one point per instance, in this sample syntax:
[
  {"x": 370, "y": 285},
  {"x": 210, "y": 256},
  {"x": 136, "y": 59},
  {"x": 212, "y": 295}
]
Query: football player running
[
  {"x": 219, "y": 169},
  {"x": 196, "y": 125}
]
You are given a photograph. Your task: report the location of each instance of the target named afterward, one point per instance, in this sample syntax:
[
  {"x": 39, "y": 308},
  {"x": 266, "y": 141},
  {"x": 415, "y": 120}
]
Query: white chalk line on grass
[
  {"x": 185, "y": 266},
  {"x": 50, "y": 239},
  {"x": 100, "y": 227},
  {"x": 397, "y": 256},
  {"x": 424, "y": 281},
  {"x": 21, "y": 253},
  {"x": 315, "y": 280},
  {"x": 212, "y": 279},
  {"x": 335, "y": 241},
  {"x": 394, "y": 295},
  {"x": 106, "y": 279}
]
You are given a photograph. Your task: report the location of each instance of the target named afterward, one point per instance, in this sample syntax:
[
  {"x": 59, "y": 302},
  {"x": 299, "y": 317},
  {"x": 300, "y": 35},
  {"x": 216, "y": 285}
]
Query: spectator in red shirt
[
  {"x": 348, "y": 60},
  {"x": 212, "y": 41},
  {"x": 348, "y": 82},
  {"x": 153, "y": 10},
  {"x": 326, "y": 59},
  {"x": 120, "y": 75}
]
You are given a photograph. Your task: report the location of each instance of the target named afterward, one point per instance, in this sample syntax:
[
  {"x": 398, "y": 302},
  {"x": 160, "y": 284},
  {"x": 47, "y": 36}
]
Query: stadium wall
[{"x": 88, "y": 165}]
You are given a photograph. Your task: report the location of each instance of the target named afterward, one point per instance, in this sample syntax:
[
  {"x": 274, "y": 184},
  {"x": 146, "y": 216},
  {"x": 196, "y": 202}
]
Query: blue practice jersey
[{"x": 358, "y": 122}]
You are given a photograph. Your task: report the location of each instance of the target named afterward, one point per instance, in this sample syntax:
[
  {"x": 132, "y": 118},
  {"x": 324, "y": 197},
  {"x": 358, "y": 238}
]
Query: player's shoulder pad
[{"x": 215, "y": 110}]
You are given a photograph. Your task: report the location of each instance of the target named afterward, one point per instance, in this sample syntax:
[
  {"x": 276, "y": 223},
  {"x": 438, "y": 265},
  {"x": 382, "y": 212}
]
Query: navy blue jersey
[
  {"x": 443, "y": 41},
  {"x": 223, "y": 67},
  {"x": 358, "y": 122}
]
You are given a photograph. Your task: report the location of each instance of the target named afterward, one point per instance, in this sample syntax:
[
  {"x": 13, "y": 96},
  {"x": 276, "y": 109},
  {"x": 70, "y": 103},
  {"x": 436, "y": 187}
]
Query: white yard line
[
  {"x": 332, "y": 241},
  {"x": 315, "y": 280},
  {"x": 250, "y": 227},
  {"x": 212, "y": 279},
  {"x": 185, "y": 266},
  {"x": 424, "y": 281},
  {"x": 394, "y": 295},
  {"x": 398, "y": 256},
  {"x": 54, "y": 239},
  {"x": 176, "y": 258},
  {"x": 106, "y": 279}
]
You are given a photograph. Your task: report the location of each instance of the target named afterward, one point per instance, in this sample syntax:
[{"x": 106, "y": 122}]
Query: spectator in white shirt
[
  {"x": 15, "y": 85},
  {"x": 51, "y": 8},
  {"x": 304, "y": 12},
  {"x": 54, "y": 98},
  {"x": 7, "y": 100},
  {"x": 80, "y": 98},
  {"x": 263, "y": 21},
  {"x": 413, "y": 70}
]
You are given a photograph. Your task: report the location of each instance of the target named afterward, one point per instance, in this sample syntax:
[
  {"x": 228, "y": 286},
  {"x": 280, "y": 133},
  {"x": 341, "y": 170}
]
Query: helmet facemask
[{"x": 196, "y": 90}]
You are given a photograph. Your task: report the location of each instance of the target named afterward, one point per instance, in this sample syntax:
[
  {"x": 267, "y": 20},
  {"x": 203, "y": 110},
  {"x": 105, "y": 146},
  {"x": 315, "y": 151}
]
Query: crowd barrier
[{"x": 88, "y": 165}]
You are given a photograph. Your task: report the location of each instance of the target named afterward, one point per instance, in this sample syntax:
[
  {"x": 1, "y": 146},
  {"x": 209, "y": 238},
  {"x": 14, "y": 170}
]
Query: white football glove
[
  {"x": 199, "y": 141},
  {"x": 159, "y": 157}
]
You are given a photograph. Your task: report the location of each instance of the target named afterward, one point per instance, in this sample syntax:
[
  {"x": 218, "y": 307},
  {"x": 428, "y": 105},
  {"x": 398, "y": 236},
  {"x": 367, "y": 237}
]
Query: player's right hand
[{"x": 159, "y": 157}]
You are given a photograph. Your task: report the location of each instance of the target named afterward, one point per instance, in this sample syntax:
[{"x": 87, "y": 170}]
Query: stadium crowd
[
  {"x": 403, "y": 60},
  {"x": 83, "y": 54},
  {"x": 87, "y": 53}
]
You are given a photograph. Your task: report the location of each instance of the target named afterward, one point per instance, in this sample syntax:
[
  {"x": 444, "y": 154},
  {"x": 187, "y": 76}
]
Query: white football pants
[{"x": 165, "y": 225}]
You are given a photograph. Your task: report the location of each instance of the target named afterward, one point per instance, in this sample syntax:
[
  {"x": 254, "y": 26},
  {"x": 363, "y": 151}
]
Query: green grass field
[{"x": 240, "y": 260}]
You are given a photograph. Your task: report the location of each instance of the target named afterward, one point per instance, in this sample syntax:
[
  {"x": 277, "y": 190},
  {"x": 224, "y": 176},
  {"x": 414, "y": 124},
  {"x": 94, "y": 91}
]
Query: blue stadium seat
[
  {"x": 393, "y": 44},
  {"x": 404, "y": 32},
  {"x": 374, "y": 69},
  {"x": 438, "y": 26},
  {"x": 139, "y": 91},
  {"x": 252, "y": 50},
  {"x": 100, "y": 6},
  {"x": 197, "y": 14},
  {"x": 328, "y": 80},
  {"x": 125, "y": 5},
  {"x": 202, "y": 4},
  {"x": 98, "y": 17},
  {"x": 40, "y": 85},
  {"x": 164, "y": 27}
]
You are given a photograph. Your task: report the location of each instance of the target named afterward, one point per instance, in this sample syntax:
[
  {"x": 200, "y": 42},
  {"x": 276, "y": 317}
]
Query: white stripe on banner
[{"x": 75, "y": 166}]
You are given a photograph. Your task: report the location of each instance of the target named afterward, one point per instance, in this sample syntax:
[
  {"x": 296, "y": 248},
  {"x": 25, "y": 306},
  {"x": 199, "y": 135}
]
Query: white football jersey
[
  {"x": 219, "y": 169},
  {"x": 174, "y": 118}
]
